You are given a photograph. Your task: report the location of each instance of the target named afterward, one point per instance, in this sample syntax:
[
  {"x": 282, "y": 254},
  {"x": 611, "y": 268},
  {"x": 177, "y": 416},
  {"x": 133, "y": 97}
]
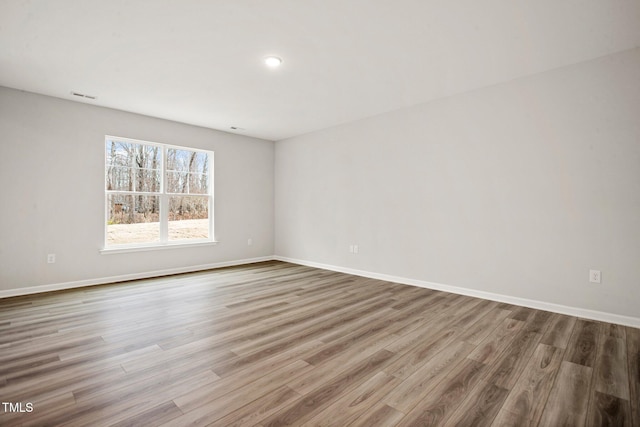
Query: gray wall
[
  {"x": 52, "y": 176},
  {"x": 517, "y": 189}
]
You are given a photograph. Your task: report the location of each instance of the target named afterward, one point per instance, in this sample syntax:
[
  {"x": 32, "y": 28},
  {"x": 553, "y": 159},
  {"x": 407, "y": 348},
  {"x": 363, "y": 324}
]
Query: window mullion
[{"x": 164, "y": 200}]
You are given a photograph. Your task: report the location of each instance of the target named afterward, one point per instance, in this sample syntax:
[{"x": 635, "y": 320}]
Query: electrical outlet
[
  {"x": 51, "y": 258},
  {"x": 249, "y": 242},
  {"x": 595, "y": 276},
  {"x": 355, "y": 249}
]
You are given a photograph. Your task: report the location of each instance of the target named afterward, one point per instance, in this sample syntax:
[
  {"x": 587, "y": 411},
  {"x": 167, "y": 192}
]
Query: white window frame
[{"x": 163, "y": 197}]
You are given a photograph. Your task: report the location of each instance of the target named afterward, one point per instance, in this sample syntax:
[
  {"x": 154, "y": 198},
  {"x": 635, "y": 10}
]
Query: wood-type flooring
[{"x": 275, "y": 344}]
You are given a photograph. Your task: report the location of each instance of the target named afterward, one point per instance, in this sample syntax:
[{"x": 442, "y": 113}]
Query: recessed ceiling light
[{"x": 273, "y": 61}]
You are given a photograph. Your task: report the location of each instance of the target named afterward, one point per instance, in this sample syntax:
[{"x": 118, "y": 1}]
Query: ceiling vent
[{"x": 82, "y": 95}]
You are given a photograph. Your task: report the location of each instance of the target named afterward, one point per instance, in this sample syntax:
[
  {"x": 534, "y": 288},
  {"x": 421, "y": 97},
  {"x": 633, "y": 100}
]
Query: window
[{"x": 156, "y": 194}]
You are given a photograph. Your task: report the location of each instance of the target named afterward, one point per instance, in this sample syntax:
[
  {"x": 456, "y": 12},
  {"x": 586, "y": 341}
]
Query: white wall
[
  {"x": 517, "y": 189},
  {"x": 52, "y": 178}
]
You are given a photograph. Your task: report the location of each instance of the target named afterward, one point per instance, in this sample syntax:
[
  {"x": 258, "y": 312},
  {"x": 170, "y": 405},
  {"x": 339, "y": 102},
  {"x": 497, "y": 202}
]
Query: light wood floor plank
[
  {"x": 569, "y": 397},
  {"x": 559, "y": 331},
  {"x": 312, "y": 402},
  {"x": 583, "y": 345},
  {"x": 213, "y": 407},
  {"x": 351, "y": 406},
  {"x": 155, "y": 416},
  {"x": 525, "y": 402},
  {"x": 491, "y": 347},
  {"x": 480, "y": 405},
  {"x": 441, "y": 402},
  {"x": 606, "y": 410},
  {"x": 633, "y": 358},
  {"x": 381, "y": 416},
  {"x": 611, "y": 374},
  {"x": 506, "y": 369},
  {"x": 257, "y": 410},
  {"x": 434, "y": 370}
]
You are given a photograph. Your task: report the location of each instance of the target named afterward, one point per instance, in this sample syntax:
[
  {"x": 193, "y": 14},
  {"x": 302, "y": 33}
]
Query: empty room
[{"x": 320, "y": 213}]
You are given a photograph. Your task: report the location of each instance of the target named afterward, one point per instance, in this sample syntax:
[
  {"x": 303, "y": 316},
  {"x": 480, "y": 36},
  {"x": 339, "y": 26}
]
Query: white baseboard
[
  {"x": 125, "y": 277},
  {"x": 539, "y": 305}
]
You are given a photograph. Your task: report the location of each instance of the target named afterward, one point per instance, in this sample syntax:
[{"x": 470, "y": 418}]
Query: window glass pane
[
  {"x": 148, "y": 180},
  {"x": 188, "y": 217},
  {"x": 187, "y": 171},
  {"x": 119, "y": 178},
  {"x": 198, "y": 183},
  {"x": 132, "y": 219},
  {"x": 133, "y": 167},
  {"x": 177, "y": 182},
  {"x": 187, "y": 160}
]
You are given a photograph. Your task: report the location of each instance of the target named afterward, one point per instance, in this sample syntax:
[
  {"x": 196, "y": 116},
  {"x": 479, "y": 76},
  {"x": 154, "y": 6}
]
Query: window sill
[{"x": 158, "y": 247}]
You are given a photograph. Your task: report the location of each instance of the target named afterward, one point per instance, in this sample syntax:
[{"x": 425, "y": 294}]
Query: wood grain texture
[
  {"x": 559, "y": 331},
  {"x": 258, "y": 409},
  {"x": 480, "y": 406},
  {"x": 611, "y": 372},
  {"x": 526, "y": 401},
  {"x": 273, "y": 343},
  {"x": 382, "y": 416},
  {"x": 155, "y": 416},
  {"x": 490, "y": 348},
  {"x": 606, "y": 410},
  {"x": 213, "y": 406},
  {"x": 583, "y": 345},
  {"x": 506, "y": 370},
  {"x": 304, "y": 409},
  {"x": 435, "y": 369},
  {"x": 569, "y": 398},
  {"x": 350, "y": 406},
  {"x": 442, "y": 401}
]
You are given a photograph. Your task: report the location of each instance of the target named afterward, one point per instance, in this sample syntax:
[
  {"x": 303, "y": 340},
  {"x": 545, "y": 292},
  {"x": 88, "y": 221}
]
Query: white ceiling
[{"x": 200, "y": 62}]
